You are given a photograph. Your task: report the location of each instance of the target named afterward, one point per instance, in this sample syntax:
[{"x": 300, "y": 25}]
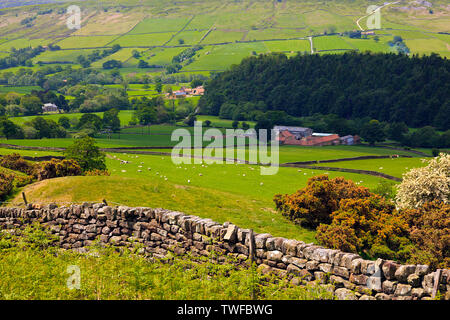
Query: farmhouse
[
  {"x": 49, "y": 107},
  {"x": 306, "y": 137},
  {"x": 186, "y": 92}
]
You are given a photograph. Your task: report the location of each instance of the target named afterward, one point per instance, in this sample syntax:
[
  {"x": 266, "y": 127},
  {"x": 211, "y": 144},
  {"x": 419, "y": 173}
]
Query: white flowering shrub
[{"x": 421, "y": 185}]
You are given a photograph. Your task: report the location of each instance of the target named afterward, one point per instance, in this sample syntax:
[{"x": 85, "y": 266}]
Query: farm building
[
  {"x": 297, "y": 132},
  {"x": 49, "y": 107},
  {"x": 306, "y": 137},
  {"x": 350, "y": 140},
  {"x": 186, "y": 92}
]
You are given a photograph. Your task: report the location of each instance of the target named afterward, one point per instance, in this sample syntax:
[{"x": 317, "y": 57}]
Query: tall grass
[{"x": 33, "y": 268}]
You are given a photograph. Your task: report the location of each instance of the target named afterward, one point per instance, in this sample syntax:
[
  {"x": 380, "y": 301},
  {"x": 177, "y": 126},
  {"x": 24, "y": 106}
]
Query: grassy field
[
  {"x": 331, "y": 43},
  {"x": 395, "y": 167},
  {"x": 222, "y": 192},
  {"x": 81, "y": 42},
  {"x": 236, "y": 193},
  {"x": 20, "y": 90},
  {"x": 143, "y": 40},
  {"x": 61, "y": 55},
  {"x": 124, "y": 116}
]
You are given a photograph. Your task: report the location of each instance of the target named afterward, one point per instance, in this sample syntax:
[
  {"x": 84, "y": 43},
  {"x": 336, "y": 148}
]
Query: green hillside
[{"x": 227, "y": 30}]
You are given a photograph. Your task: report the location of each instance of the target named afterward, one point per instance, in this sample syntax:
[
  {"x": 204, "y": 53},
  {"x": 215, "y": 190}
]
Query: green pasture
[
  {"x": 163, "y": 56},
  {"x": 395, "y": 167},
  {"x": 223, "y": 192},
  {"x": 124, "y": 116},
  {"x": 61, "y": 55},
  {"x": 368, "y": 44},
  {"x": 427, "y": 46},
  {"x": 188, "y": 37},
  {"x": 18, "y": 89},
  {"x": 80, "y": 42},
  {"x": 156, "y": 25},
  {"x": 275, "y": 33},
  {"x": 222, "y": 57},
  {"x": 219, "y": 36},
  {"x": 288, "y": 46},
  {"x": 23, "y": 43},
  {"x": 143, "y": 40},
  {"x": 122, "y": 55},
  {"x": 330, "y": 43}
]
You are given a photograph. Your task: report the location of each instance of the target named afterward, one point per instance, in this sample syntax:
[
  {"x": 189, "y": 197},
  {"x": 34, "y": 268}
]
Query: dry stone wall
[{"x": 161, "y": 231}]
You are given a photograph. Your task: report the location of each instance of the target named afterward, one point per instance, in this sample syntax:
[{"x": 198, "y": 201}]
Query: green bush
[{"x": 86, "y": 154}]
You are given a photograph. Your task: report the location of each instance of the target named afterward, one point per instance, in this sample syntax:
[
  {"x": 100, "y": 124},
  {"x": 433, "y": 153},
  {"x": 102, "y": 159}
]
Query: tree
[
  {"x": 207, "y": 123},
  {"x": 235, "y": 124},
  {"x": 396, "y": 131},
  {"x": 86, "y": 154},
  {"x": 47, "y": 128},
  {"x": 426, "y": 184},
  {"x": 158, "y": 86},
  {"x": 90, "y": 121},
  {"x": 31, "y": 105},
  {"x": 264, "y": 124},
  {"x": 111, "y": 120},
  {"x": 112, "y": 64},
  {"x": 136, "y": 54},
  {"x": 373, "y": 132},
  {"x": 245, "y": 125},
  {"x": 196, "y": 83},
  {"x": 10, "y": 130},
  {"x": 64, "y": 122},
  {"x": 168, "y": 89},
  {"x": 143, "y": 64}
]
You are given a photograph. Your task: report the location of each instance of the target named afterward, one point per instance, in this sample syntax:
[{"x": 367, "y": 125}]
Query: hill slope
[{"x": 227, "y": 30}]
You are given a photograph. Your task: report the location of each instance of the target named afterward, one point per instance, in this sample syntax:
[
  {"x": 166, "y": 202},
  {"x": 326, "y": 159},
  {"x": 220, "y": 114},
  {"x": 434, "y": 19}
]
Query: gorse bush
[
  {"x": 370, "y": 226},
  {"x": 57, "y": 168},
  {"x": 21, "y": 181},
  {"x": 429, "y": 230},
  {"x": 16, "y": 162},
  {"x": 352, "y": 219},
  {"x": 6, "y": 185},
  {"x": 97, "y": 172},
  {"x": 314, "y": 204}
]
